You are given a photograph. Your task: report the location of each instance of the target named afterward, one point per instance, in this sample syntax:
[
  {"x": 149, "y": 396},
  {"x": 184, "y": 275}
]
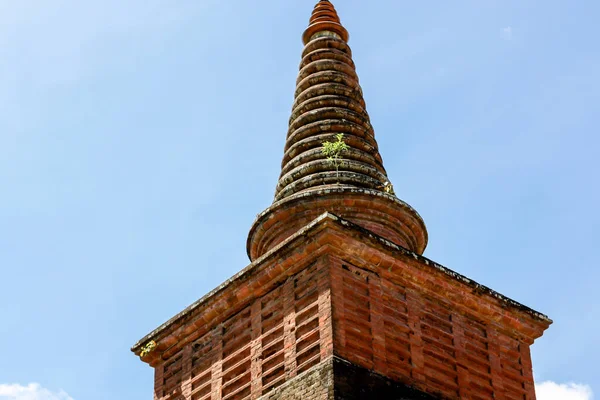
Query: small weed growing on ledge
[
  {"x": 333, "y": 151},
  {"x": 148, "y": 348}
]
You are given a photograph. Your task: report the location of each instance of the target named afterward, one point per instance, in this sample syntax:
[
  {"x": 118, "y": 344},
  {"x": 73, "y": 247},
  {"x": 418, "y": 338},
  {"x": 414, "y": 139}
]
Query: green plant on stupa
[
  {"x": 148, "y": 348},
  {"x": 333, "y": 151}
]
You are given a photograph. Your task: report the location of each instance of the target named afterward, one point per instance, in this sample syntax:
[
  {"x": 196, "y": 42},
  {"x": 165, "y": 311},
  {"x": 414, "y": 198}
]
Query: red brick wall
[
  {"x": 270, "y": 341},
  {"x": 411, "y": 337},
  {"x": 397, "y": 329}
]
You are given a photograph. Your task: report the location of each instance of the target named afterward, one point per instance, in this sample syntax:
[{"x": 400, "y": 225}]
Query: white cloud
[
  {"x": 31, "y": 392},
  {"x": 507, "y": 33},
  {"x": 555, "y": 391}
]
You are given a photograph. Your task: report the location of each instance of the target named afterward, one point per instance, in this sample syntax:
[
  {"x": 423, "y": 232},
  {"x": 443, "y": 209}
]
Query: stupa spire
[{"x": 328, "y": 101}]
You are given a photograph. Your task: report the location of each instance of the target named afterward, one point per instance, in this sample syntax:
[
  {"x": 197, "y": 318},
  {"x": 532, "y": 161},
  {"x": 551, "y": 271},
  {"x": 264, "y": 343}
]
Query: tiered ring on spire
[
  {"x": 329, "y": 101},
  {"x": 324, "y": 19}
]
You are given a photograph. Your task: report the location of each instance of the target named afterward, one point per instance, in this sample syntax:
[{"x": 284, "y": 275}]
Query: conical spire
[{"x": 329, "y": 101}]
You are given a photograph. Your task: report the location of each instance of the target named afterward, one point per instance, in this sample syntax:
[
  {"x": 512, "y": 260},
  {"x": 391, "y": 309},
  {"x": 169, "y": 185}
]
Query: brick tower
[{"x": 338, "y": 301}]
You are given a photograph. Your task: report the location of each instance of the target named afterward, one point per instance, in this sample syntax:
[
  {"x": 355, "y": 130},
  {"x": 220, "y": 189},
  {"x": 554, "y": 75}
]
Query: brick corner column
[
  {"x": 217, "y": 367},
  {"x": 186, "y": 364},
  {"x": 527, "y": 367},
  {"x": 289, "y": 328},
  {"x": 414, "y": 306},
  {"x": 464, "y": 381},
  {"x": 378, "y": 325},
  {"x": 256, "y": 349},
  {"x": 158, "y": 381},
  {"x": 325, "y": 311},
  {"x": 495, "y": 363},
  {"x": 337, "y": 305}
]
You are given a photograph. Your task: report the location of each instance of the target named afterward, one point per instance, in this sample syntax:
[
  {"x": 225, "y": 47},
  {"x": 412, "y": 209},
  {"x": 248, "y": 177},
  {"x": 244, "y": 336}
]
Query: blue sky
[{"x": 139, "y": 139}]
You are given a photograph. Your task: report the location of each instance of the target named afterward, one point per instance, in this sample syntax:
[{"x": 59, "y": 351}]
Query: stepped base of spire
[{"x": 379, "y": 212}]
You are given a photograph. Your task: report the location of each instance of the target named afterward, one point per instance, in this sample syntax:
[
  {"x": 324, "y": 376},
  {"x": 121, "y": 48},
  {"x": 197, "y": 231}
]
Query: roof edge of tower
[{"x": 196, "y": 315}]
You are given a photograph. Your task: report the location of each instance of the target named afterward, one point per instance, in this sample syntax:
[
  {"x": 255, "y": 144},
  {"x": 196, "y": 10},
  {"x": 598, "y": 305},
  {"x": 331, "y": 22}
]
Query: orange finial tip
[{"x": 324, "y": 19}]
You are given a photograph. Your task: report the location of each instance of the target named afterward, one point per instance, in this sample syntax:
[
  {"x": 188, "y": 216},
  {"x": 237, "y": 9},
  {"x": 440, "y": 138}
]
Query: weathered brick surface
[
  {"x": 420, "y": 339},
  {"x": 314, "y": 384},
  {"x": 278, "y": 336},
  {"x": 352, "y": 382},
  {"x": 338, "y": 379}
]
